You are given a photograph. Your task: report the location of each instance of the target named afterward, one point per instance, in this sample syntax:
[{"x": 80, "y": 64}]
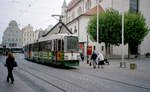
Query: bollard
[
  {"x": 132, "y": 66},
  {"x": 120, "y": 64},
  {"x": 124, "y": 63}
]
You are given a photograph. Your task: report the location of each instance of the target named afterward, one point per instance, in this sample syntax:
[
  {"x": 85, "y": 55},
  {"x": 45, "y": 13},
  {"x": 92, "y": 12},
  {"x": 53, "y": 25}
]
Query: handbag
[{"x": 15, "y": 64}]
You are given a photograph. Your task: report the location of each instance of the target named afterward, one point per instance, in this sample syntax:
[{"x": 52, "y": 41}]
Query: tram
[{"x": 58, "y": 49}]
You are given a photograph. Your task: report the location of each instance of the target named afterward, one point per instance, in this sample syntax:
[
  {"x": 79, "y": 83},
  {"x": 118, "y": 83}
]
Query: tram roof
[{"x": 55, "y": 36}]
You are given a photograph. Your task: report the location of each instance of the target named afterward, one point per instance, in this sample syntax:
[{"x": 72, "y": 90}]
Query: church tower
[{"x": 63, "y": 11}]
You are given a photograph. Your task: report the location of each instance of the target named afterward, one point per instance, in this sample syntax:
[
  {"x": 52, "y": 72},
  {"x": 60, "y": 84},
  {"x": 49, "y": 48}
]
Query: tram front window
[{"x": 72, "y": 43}]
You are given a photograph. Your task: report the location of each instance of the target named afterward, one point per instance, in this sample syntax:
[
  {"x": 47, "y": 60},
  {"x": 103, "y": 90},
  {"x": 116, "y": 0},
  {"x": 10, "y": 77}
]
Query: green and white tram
[{"x": 59, "y": 49}]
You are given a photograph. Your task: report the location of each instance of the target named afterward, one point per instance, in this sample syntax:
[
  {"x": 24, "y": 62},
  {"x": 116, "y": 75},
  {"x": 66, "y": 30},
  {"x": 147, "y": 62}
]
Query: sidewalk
[
  {"x": 18, "y": 86},
  {"x": 138, "y": 77},
  {"x": 142, "y": 64}
]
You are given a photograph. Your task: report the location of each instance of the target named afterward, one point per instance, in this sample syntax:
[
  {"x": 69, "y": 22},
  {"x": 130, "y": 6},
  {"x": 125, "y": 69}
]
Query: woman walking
[
  {"x": 10, "y": 65},
  {"x": 100, "y": 60}
]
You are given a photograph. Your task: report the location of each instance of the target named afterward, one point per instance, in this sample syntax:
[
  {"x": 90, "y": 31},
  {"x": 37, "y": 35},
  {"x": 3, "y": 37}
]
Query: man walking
[{"x": 93, "y": 58}]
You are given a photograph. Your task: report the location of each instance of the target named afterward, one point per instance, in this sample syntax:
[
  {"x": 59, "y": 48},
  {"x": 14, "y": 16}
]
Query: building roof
[
  {"x": 94, "y": 10},
  {"x": 72, "y": 4}
]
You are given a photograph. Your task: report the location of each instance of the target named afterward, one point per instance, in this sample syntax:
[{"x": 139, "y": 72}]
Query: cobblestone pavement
[{"x": 33, "y": 77}]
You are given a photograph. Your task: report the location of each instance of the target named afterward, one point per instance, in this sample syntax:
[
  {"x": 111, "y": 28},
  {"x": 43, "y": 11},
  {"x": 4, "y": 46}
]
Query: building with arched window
[
  {"x": 12, "y": 37},
  {"x": 28, "y": 34},
  {"x": 82, "y": 11}
]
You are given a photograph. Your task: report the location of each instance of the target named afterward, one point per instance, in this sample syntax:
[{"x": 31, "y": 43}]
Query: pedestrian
[
  {"x": 93, "y": 58},
  {"x": 100, "y": 59},
  {"x": 10, "y": 65},
  {"x": 82, "y": 57}
]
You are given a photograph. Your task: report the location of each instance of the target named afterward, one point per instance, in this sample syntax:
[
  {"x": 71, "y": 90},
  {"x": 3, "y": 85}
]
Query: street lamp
[
  {"x": 124, "y": 64},
  {"x": 97, "y": 21}
]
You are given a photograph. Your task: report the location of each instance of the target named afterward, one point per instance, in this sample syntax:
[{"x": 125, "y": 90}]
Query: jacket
[{"x": 10, "y": 63}]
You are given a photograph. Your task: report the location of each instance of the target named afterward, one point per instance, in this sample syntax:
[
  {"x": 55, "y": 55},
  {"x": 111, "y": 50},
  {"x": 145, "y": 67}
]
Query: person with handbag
[
  {"x": 10, "y": 60},
  {"x": 100, "y": 59}
]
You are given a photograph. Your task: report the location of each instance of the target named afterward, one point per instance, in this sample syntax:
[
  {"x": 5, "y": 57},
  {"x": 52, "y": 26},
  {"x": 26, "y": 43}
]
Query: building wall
[
  {"x": 28, "y": 35},
  {"x": 82, "y": 23},
  {"x": 12, "y": 37},
  {"x": 144, "y": 9},
  {"x": 74, "y": 12},
  {"x": 115, "y": 4}
]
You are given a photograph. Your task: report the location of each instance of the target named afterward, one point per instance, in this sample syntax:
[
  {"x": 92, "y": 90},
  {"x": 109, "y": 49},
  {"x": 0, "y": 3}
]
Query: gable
[{"x": 59, "y": 28}]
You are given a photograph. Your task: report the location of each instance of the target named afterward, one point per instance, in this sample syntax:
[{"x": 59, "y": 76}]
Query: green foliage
[
  {"x": 135, "y": 28},
  {"x": 109, "y": 27}
]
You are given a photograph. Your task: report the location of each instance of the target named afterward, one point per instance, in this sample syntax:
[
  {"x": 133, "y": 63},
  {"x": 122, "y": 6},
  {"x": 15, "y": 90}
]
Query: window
[
  {"x": 88, "y": 5},
  {"x": 100, "y": 1},
  {"x": 72, "y": 43},
  {"x": 9, "y": 44},
  {"x": 134, "y": 5},
  {"x": 75, "y": 29},
  {"x": 59, "y": 45},
  {"x": 102, "y": 48}
]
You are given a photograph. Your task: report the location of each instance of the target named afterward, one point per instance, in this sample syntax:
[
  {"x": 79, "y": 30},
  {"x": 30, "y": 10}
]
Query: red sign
[{"x": 89, "y": 50}]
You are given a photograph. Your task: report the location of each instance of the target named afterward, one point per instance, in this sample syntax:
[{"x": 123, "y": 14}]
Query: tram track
[
  {"x": 95, "y": 76},
  {"x": 117, "y": 81},
  {"x": 88, "y": 74},
  {"x": 42, "y": 79},
  {"x": 56, "y": 77}
]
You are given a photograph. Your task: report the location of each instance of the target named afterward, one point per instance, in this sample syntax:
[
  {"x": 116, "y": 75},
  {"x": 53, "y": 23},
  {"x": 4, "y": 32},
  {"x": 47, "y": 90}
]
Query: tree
[
  {"x": 109, "y": 28},
  {"x": 135, "y": 30}
]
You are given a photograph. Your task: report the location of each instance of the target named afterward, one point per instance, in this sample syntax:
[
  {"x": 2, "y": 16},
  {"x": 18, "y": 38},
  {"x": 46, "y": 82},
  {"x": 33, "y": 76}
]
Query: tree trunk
[
  {"x": 106, "y": 50},
  {"x": 129, "y": 51}
]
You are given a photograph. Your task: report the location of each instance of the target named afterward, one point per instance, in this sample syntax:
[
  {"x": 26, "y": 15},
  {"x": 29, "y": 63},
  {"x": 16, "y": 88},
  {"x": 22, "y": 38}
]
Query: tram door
[{"x": 60, "y": 49}]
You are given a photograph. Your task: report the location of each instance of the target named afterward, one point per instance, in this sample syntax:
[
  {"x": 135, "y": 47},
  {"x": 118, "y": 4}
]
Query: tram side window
[
  {"x": 52, "y": 45},
  {"x": 42, "y": 46},
  {"x": 72, "y": 44},
  {"x": 48, "y": 45},
  {"x": 59, "y": 45},
  {"x": 55, "y": 45},
  {"x": 30, "y": 47},
  {"x": 35, "y": 47},
  {"x": 62, "y": 45}
]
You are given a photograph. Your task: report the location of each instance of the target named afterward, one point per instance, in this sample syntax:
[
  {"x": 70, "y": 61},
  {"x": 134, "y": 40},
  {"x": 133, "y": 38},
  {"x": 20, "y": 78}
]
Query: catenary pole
[
  {"x": 97, "y": 22},
  {"x": 123, "y": 34}
]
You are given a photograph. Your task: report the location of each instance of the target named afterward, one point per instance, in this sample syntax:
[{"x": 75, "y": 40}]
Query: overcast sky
[{"x": 35, "y": 12}]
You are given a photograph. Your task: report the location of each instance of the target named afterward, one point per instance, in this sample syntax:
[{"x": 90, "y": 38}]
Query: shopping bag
[{"x": 15, "y": 64}]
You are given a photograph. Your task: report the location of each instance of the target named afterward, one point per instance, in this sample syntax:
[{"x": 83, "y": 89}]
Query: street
[{"x": 33, "y": 77}]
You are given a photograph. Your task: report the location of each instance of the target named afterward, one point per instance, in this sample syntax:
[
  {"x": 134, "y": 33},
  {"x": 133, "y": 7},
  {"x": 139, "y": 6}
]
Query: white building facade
[
  {"x": 28, "y": 35},
  {"x": 76, "y": 17},
  {"x": 78, "y": 13},
  {"x": 12, "y": 37}
]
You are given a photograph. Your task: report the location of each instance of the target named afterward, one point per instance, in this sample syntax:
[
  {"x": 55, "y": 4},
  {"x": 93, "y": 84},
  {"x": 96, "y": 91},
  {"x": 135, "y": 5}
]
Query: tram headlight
[
  {"x": 66, "y": 57},
  {"x": 78, "y": 56}
]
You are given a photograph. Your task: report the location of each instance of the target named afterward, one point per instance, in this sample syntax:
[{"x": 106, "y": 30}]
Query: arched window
[
  {"x": 75, "y": 29},
  {"x": 88, "y": 4}
]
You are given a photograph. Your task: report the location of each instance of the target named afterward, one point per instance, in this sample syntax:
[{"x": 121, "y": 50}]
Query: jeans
[{"x": 10, "y": 75}]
